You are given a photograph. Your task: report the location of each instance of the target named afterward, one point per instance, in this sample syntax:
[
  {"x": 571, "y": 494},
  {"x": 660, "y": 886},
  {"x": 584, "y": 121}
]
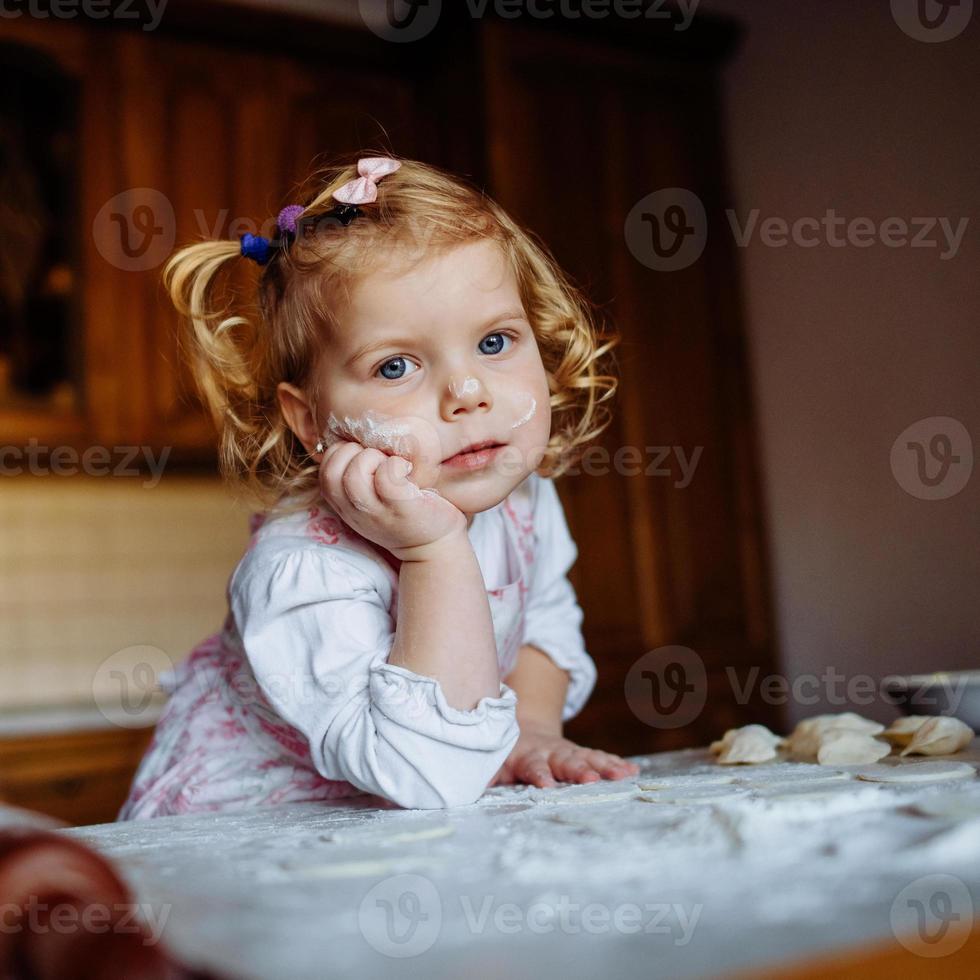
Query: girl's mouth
[{"x": 476, "y": 456}]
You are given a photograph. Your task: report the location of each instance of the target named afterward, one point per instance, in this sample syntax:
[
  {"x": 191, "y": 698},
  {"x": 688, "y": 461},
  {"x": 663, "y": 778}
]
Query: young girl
[{"x": 402, "y": 623}]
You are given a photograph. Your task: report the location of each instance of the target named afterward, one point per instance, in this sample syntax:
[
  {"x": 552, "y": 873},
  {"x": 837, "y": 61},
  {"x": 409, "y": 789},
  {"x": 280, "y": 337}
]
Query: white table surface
[{"x": 750, "y": 877}]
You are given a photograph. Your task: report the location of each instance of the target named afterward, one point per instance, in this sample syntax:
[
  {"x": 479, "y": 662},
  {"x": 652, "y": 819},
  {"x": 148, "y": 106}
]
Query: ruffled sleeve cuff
[{"x": 417, "y": 703}]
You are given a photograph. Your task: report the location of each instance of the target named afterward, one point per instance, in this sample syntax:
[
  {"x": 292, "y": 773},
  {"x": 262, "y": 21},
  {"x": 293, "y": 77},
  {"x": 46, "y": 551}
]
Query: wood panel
[{"x": 80, "y": 777}]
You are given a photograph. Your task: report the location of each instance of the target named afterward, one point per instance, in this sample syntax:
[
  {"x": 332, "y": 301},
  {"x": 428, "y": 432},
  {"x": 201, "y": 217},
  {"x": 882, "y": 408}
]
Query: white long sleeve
[
  {"x": 316, "y": 627},
  {"x": 553, "y": 621}
]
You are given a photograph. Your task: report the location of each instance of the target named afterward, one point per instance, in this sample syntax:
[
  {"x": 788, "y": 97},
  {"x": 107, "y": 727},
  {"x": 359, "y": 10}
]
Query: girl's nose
[{"x": 464, "y": 394}]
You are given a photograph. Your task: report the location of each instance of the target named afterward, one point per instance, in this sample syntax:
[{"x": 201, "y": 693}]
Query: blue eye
[
  {"x": 494, "y": 343},
  {"x": 395, "y": 369}
]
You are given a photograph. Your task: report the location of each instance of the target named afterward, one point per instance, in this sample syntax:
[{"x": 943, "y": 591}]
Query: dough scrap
[
  {"x": 805, "y": 741},
  {"x": 750, "y": 744},
  {"x": 917, "y": 772},
  {"x": 939, "y": 736}
]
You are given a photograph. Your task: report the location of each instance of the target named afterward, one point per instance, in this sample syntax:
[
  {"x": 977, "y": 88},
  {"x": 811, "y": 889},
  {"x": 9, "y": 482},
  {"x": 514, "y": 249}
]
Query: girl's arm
[
  {"x": 445, "y": 629},
  {"x": 541, "y": 687}
]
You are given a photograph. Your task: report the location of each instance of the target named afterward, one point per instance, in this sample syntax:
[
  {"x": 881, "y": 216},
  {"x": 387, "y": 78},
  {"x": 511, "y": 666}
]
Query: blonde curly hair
[{"x": 238, "y": 360}]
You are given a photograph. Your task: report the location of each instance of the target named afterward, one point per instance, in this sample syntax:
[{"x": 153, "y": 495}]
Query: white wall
[{"x": 831, "y": 105}]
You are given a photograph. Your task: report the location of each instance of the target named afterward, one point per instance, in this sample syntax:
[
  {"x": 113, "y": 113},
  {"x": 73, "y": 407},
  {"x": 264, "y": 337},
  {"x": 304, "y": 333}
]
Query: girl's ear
[{"x": 298, "y": 415}]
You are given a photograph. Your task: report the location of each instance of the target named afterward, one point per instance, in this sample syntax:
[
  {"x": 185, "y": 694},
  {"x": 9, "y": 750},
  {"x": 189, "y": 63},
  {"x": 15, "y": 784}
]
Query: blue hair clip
[{"x": 256, "y": 248}]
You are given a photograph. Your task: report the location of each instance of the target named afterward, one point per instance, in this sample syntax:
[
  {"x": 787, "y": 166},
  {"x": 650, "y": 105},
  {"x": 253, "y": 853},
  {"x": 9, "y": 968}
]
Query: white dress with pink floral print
[{"x": 294, "y": 700}]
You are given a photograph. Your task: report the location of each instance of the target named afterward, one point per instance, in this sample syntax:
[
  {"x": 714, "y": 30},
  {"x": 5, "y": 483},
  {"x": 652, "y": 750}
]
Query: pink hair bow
[{"x": 364, "y": 189}]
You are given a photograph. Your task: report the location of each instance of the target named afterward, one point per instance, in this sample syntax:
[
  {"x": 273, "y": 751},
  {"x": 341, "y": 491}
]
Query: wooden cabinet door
[
  {"x": 224, "y": 136},
  {"x": 580, "y": 130}
]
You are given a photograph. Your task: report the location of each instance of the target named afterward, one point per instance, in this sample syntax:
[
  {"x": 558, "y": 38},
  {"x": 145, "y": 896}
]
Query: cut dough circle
[{"x": 917, "y": 772}]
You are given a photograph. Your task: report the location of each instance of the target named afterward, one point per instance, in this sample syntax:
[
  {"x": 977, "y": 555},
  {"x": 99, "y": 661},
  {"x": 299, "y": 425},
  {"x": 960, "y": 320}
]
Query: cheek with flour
[{"x": 409, "y": 436}]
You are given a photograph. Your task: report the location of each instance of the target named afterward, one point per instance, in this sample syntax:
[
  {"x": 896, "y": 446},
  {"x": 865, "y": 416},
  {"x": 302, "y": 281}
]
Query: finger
[
  {"x": 332, "y": 471},
  {"x": 575, "y": 769},
  {"x": 391, "y": 482},
  {"x": 536, "y": 771},
  {"x": 609, "y": 766},
  {"x": 358, "y": 479}
]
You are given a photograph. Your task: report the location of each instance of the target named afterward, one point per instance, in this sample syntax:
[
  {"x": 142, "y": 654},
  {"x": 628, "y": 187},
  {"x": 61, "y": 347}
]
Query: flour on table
[
  {"x": 952, "y": 806},
  {"x": 916, "y": 772}
]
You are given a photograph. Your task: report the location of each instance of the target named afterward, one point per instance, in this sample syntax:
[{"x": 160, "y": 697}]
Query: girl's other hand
[
  {"x": 543, "y": 758},
  {"x": 372, "y": 493}
]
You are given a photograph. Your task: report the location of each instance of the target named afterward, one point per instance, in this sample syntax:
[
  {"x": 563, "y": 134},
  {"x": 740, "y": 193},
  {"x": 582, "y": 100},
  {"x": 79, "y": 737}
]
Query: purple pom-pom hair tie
[{"x": 363, "y": 189}]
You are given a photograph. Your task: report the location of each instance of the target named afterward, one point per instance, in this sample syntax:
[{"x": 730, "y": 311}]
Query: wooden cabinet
[{"x": 80, "y": 777}]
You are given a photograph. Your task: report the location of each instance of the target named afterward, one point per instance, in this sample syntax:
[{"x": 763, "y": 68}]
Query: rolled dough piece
[
  {"x": 842, "y": 747},
  {"x": 684, "y": 781},
  {"x": 901, "y": 730},
  {"x": 940, "y": 736},
  {"x": 807, "y": 775},
  {"x": 693, "y": 797},
  {"x": 579, "y": 794},
  {"x": 749, "y": 745},
  {"x": 917, "y": 772},
  {"x": 804, "y": 743}
]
